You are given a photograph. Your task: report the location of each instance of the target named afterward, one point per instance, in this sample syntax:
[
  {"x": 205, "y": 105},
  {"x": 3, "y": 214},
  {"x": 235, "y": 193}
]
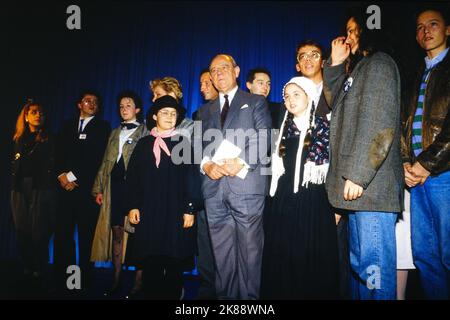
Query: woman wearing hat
[
  {"x": 172, "y": 87},
  {"x": 165, "y": 193},
  {"x": 110, "y": 240},
  {"x": 300, "y": 258}
]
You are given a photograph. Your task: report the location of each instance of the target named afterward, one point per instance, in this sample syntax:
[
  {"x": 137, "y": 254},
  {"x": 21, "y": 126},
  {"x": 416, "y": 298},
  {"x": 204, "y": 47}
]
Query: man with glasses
[
  {"x": 234, "y": 189},
  {"x": 310, "y": 60},
  {"x": 81, "y": 143}
]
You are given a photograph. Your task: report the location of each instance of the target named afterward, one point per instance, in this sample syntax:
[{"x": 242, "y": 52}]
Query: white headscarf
[{"x": 303, "y": 124}]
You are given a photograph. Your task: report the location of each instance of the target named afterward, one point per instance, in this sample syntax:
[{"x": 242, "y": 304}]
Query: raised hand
[{"x": 339, "y": 51}]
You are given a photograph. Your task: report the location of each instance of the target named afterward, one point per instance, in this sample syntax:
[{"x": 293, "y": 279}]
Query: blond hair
[
  {"x": 168, "y": 84},
  {"x": 22, "y": 126}
]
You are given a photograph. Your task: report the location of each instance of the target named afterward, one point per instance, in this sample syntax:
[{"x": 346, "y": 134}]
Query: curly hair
[{"x": 168, "y": 84}]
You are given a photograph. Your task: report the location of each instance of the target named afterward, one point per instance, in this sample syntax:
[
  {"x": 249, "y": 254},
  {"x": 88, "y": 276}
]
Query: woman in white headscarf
[{"x": 300, "y": 258}]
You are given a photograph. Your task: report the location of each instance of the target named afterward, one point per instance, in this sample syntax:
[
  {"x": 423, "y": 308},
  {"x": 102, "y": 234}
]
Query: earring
[{"x": 26, "y": 120}]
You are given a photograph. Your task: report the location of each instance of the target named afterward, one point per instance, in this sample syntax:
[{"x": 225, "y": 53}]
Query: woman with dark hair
[
  {"x": 33, "y": 188},
  {"x": 366, "y": 174},
  {"x": 300, "y": 258},
  {"x": 109, "y": 188},
  {"x": 164, "y": 194},
  {"x": 369, "y": 41}
]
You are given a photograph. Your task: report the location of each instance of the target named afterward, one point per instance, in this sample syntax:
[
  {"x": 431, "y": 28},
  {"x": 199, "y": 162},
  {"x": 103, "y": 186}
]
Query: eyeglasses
[
  {"x": 312, "y": 55},
  {"x": 89, "y": 101},
  {"x": 168, "y": 114},
  {"x": 222, "y": 68}
]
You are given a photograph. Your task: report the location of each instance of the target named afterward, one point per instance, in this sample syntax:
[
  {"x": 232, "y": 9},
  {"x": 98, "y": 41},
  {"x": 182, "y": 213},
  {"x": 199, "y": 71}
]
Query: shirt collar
[
  {"x": 86, "y": 119},
  {"x": 430, "y": 63},
  {"x": 230, "y": 94},
  {"x": 135, "y": 122}
]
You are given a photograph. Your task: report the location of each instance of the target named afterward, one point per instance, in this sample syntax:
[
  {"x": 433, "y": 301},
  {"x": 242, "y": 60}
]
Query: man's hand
[
  {"x": 70, "y": 186},
  {"x": 232, "y": 166},
  {"x": 339, "y": 51},
  {"x": 65, "y": 184},
  {"x": 420, "y": 172},
  {"x": 134, "y": 216},
  {"x": 337, "y": 218},
  {"x": 188, "y": 220},
  {"x": 214, "y": 171},
  {"x": 99, "y": 199},
  {"x": 352, "y": 191},
  {"x": 411, "y": 179},
  {"x": 63, "y": 181}
]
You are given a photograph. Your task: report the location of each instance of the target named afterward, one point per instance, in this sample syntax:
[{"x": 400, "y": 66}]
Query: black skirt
[
  {"x": 118, "y": 190},
  {"x": 300, "y": 259}
]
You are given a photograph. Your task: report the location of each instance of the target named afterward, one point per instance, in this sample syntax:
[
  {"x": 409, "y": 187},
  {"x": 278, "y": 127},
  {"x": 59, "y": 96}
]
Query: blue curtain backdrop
[{"x": 124, "y": 45}]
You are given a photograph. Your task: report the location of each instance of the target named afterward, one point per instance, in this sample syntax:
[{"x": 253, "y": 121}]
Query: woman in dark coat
[
  {"x": 33, "y": 188},
  {"x": 163, "y": 195}
]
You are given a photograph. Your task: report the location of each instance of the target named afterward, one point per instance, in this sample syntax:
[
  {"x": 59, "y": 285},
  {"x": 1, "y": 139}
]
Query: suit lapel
[
  {"x": 214, "y": 112},
  {"x": 234, "y": 109},
  {"x": 135, "y": 136},
  {"x": 90, "y": 124},
  {"x": 115, "y": 144}
]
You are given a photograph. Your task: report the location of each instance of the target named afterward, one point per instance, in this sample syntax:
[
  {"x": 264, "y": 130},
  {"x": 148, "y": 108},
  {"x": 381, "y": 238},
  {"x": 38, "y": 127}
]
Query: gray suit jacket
[
  {"x": 249, "y": 113},
  {"x": 365, "y": 135}
]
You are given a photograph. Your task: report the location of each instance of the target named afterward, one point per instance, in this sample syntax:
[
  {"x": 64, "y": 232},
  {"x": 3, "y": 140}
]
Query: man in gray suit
[
  {"x": 366, "y": 174},
  {"x": 234, "y": 189}
]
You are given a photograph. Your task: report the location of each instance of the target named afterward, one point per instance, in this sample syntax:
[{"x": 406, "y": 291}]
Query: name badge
[{"x": 82, "y": 136}]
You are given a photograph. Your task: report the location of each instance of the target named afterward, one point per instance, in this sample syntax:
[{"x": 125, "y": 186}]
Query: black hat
[{"x": 165, "y": 102}]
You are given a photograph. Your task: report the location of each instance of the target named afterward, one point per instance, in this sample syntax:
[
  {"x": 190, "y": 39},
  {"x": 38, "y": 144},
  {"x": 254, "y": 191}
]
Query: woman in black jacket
[{"x": 33, "y": 188}]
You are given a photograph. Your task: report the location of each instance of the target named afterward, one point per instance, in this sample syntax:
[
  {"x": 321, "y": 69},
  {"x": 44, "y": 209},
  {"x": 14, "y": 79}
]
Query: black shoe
[
  {"x": 115, "y": 288},
  {"x": 134, "y": 294}
]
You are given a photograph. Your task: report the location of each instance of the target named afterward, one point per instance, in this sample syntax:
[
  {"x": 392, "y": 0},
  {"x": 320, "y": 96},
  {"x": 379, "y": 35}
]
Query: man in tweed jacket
[{"x": 366, "y": 175}]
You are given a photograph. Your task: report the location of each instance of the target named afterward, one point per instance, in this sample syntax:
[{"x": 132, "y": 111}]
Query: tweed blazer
[{"x": 365, "y": 134}]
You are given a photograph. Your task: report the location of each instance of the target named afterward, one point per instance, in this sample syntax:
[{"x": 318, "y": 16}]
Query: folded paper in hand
[{"x": 228, "y": 150}]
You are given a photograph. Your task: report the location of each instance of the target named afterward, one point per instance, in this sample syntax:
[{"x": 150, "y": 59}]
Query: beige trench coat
[{"x": 102, "y": 243}]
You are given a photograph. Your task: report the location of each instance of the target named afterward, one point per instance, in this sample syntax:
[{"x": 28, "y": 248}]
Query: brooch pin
[
  {"x": 16, "y": 156},
  {"x": 348, "y": 83}
]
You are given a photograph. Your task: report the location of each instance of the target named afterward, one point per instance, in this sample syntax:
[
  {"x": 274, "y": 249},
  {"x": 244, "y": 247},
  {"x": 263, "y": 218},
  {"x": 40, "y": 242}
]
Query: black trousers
[
  {"x": 33, "y": 214},
  {"x": 344, "y": 258},
  {"x": 76, "y": 208},
  {"x": 163, "y": 278}
]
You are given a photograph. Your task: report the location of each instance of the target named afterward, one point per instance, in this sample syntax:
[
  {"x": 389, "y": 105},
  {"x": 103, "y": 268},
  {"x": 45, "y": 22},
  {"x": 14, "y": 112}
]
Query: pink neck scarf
[{"x": 160, "y": 144}]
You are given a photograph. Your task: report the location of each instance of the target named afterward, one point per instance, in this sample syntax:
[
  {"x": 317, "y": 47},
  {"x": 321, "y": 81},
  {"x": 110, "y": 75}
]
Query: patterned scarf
[{"x": 160, "y": 144}]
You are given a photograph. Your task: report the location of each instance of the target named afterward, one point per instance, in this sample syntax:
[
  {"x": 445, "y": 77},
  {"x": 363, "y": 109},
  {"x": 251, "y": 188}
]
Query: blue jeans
[
  {"x": 373, "y": 255},
  {"x": 430, "y": 234}
]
